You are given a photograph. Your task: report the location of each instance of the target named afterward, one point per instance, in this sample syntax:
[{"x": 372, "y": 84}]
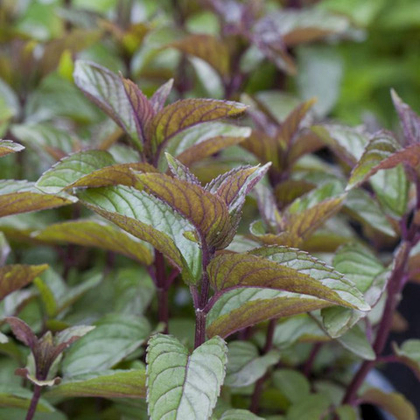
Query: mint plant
[{"x": 179, "y": 238}]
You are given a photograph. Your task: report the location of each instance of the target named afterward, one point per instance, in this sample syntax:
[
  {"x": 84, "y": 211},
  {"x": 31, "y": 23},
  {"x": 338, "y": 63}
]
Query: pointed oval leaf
[
  {"x": 158, "y": 99},
  {"x": 239, "y": 414},
  {"x": 8, "y": 146},
  {"x": 241, "y": 308},
  {"x": 149, "y": 219},
  {"x": 14, "y": 277},
  {"x": 207, "y": 212},
  {"x": 246, "y": 365},
  {"x": 107, "y": 384},
  {"x": 409, "y": 353},
  {"x": 114, "y": 337},
  {"x": 106, "y": 90},
  {"x": 187, "y": 113},
  {"x": 182, "y": 386},
  {"x": 378, "y": 149},
  {"x": 71, "y": 168},
  {"x": 355, "y": 340},
  {"x": 96, "y": 234},
  {"x": 293, "y": 384}
]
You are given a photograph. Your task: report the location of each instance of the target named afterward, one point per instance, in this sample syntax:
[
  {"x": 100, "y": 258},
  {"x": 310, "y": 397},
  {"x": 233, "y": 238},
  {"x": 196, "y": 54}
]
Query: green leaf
[
  {"x": 187, "y": 113},
  {"x": 347, "y": 412},
  {"x": 286, "y": 269},
  {"x": 17, "y": 397},
  {"x": 14, "y": 277},
  {"x": 347, "y": 143},
  {"x": 22, "y": 197},
  {"x": 8, "y": 146},
  {"x": 73, "y": 167},
  {"x": 92, "y": 233},
  {"x": 245, "y": 365},
  {"x": 409, "y": 353},
  {"x": 362, "y": 267},
  {"x": 238, "y": 414},
  {"x": 208, "y": 48},
  {"x": 149, "y": 219},
  {"x": 366, "y": 210},
  {"x": 183, "y": 386},
  {"x": 377, "y": 150},
  {"x": 207, "y": 212},
  {"x": 114, "y": 338},
  {"x": 394, "y": 403},
  {"x": 293, "y": 384},
  {"x": 107, "y": 90},
  {"x": 240, "y": 308},
  {"x": 310, "y": 408},
  {"x": 355, "y": 341},
  {"x": 107, "y": 384}
]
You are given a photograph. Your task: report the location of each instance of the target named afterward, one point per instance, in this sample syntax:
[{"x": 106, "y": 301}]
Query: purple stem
[
  {"x": 307, "y": 368},
  {"x": 34, "y": 402}
]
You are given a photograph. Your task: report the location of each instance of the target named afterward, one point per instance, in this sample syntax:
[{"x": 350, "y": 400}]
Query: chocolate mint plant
[{"x": 167, "y": 255}]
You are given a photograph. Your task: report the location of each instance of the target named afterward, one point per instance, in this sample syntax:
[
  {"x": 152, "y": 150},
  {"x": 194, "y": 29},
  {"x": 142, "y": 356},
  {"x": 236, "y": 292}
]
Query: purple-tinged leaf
[
  {"x": 118, "y": 174},
  {"x": 92, "y": 233},
  {"x": 208, "y": 48},
  {"x": 14, "y": 277},
  {"x": 380, "y": 148},
  {"x": 293, "y": 121},
  {"x": 291, "y": 189},
  {"x": 410, "y": 121},
  {"x": 286, "y": 269},
  {"x": 304, "y": 144},
  {"x": 264, "y": 147},
  {"x": 207, "y": 212},
  {"x": 142, "y": 109},
  {"x": 158, "y": 99},
  {"x": 241, "y": 308},
  {"x": 180, "y": 171},
  {"x": 187, "y": 113},
  {"x": 22, "y": 331},
  {"x": 268, "y": 208},
  {"x": 8, "y": 146},
  {"x": 106, "y": 90},
  {"x": 394, "y": 403}
]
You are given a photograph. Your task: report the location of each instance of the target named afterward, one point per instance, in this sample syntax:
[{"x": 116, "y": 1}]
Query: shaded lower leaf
[
  {"x": 246, "y": 365},
  {"x": 17, "y": 397},
  {"x": 92, "y": 233},
  {"x": 14, "y": 277},
  {"x": 238, "y": 414},
  {"x": 310, "y": 408},
  {"x": 355, "y": 340},
  {"x": 114, "y": 337},
  {"x": 394, "y": 403},
  {"x": 293, "y": 384},
  {"x": 106, "y": 384},
  {"x": 183, "y": 386}
]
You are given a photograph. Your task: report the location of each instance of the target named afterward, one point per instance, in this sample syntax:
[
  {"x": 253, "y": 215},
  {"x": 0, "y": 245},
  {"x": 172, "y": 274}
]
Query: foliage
[{"x": 181, "y": 237}]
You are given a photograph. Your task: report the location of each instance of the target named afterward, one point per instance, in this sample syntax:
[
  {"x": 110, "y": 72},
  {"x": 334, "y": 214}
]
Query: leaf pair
[{"x": 147, "y": 122}]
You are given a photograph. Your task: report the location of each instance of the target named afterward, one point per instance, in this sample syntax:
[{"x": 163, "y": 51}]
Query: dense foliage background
[{"x": 74, "y": 270}]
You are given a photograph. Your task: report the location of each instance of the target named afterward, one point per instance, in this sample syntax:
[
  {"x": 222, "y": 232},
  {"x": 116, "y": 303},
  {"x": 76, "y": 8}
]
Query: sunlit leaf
[
  {"x": 8, "y": 146},
  {"x": 183, "y": 385},
  {"x": 114, "y": 337},
  {"x": 96, "y": 234},
  {"x": 246, "y": 365},
  {"x": 394, "y": 403},
  {"x": 14, "y": 277},
  {"x": 105, "y": 384},
  {"x": 149, "y": 219}
]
